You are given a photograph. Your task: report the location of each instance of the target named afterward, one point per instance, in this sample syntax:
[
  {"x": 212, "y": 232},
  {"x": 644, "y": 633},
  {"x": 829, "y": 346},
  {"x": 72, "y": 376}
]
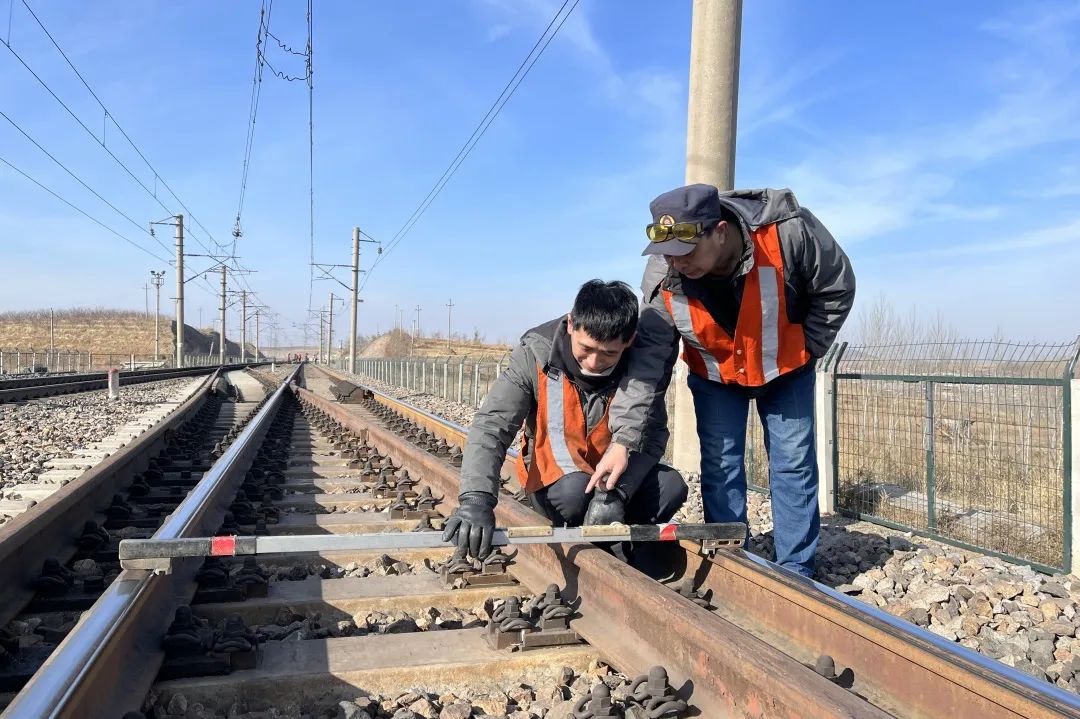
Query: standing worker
[
  {"x": 559, "y": 383},
  {"x": 757, "y": 289}
]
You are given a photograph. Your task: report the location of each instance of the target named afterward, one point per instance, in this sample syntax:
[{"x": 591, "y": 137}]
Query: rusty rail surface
[
  {"x": 106, "y": 664},
  {"x": 51, "y": 527},
  {"x": 750, "y": 657},
  {"x": 631, "y": 619}
]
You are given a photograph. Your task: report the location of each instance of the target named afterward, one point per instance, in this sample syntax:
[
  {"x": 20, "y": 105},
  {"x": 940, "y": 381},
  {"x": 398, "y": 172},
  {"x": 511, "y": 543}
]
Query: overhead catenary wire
[
  {"x": 534, "y": 55},
  {"x": 111, "y": 116},
  {"x": 108, "y": 117},
  {"x": 100, "y": 142},
  {"x": 311, "y": 160},
  {"x": 141, "y": 227},
  {"x": 253, "y": 111},
  {"x": 87, "y": 215}
]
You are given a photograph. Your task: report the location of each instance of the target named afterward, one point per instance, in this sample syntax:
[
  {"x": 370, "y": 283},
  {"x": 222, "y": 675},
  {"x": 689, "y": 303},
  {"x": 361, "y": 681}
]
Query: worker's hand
[
  {"x": 610, "y": 468},
  {"x": 472, "y": 523}
]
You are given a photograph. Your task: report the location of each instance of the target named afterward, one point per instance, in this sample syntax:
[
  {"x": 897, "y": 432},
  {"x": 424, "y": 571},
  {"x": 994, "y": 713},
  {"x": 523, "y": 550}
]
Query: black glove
[
  {"x": 606, "y": 507},
  {"x": 473, "y": 523}
]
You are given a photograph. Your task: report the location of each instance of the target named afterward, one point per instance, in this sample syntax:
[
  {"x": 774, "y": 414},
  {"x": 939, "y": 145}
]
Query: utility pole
[
  {"x": 330, "y": 328},
  {"x": 417, "y": 333},
  {"x": 449, "y": 311},
  {"x": 354, "y": 292},
  {"x": 256, "y": 335},
  {"x": 243, "y": 325},
  {"x": 180, "y": 291},
  {"x": 715, "y": 37},
  {"x": 321, "y": 336},
  {"x": 221, "y": 348},
  {"x": 52, "y": 332},
  {"x": 396, "y": 326},
  {"x": 157, "y": 279},
  {"x": 355, "y": 298}
]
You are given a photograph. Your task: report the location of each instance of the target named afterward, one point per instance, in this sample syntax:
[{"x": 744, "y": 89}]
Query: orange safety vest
[
  {"x": 562, "y": 443},
  {"x": 766, "y": 344}
]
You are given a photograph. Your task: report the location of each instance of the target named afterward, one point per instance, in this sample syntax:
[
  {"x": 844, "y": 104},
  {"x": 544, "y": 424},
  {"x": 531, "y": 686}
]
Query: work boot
[{"x": 606, "y": 507}]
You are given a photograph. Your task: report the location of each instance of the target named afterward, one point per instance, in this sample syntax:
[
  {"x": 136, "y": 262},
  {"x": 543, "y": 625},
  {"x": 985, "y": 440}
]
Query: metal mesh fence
[
  {"x": 964, "y": 442},
  {"x": 462, "y": 380},
  {"x": 15, "y": 360}
]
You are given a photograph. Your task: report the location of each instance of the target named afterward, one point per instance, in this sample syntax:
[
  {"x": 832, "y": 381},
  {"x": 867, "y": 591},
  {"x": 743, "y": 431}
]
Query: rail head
[
  {"x": 97, "y": 667},
  {"x": 1010, "y": 691}
]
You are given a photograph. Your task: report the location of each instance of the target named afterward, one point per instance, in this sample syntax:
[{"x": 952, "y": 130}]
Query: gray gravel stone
[
  {"x": 35, "y": 432},
  {"x": 1006, "y": 611}
]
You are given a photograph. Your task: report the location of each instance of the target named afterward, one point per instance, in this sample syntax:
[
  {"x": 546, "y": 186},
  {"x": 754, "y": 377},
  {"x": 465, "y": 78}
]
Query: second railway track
[
  {"x": 292, "y": 633},
  {"x": 36, "y": 387}
]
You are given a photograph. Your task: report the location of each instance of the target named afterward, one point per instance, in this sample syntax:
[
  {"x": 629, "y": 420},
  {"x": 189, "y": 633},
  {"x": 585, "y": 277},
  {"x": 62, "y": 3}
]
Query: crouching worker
[{"x": 560, "y": 382}]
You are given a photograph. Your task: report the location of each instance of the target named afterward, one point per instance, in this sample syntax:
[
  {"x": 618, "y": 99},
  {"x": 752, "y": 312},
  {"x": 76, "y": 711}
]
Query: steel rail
[
  {"x": 52, "y": 526},
  {"x": 106, "y": 664},
  {"x": 907, "y": 670},
  {"x": 630, "y": 619},
  {"x": 19, "y": 390}
]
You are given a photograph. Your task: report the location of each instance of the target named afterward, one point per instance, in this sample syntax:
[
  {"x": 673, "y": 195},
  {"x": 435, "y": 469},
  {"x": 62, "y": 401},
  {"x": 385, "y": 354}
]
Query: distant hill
[
  {"x": 104, "y": 331},
  {"x": 402, "y": 344}
]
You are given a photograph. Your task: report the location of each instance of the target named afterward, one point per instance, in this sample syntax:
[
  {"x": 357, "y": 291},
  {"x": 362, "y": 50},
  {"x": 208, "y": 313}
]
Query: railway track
[
  {"x": 59, "y": 556},
  {"x": 18, "y": 390},
  {"x": 742, "y": 639}
]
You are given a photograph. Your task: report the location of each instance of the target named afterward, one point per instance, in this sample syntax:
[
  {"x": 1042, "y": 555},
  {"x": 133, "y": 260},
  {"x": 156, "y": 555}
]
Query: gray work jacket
[
  {"x": 512, "y": 401},
  {"x": 819, "y": 291}
]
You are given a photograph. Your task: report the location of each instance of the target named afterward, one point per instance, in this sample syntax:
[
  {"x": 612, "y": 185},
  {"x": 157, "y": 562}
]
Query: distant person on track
[
  {"x": 757, "y": 289},
  {"x": 559, "y": 384}
]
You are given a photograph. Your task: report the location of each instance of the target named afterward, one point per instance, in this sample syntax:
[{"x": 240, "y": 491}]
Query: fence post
[
  {"x": 825, "y": 429},
  {"x": 931, "y": 479},
  {"x": 445, "y": 370},
  {"x": 1, "y": 361},
  {"x": 1071, "y": 459},
  {"x": 476, "y": 384}
]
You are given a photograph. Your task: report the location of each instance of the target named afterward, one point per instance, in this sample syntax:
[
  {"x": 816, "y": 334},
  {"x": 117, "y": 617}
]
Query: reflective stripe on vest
[
  {"x": 562, "y": 444},
  {"x": 765, "y": 346},
  {"x": 680, "y": 312}
]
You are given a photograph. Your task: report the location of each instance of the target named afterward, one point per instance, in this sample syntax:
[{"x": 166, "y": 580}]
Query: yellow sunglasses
[{"x": 685, "y": 231}]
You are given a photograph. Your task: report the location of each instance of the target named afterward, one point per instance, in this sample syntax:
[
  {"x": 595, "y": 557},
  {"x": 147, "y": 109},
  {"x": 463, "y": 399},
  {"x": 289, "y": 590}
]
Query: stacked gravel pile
[
  {"x": 1009, "y": 612},
  {"x": 543, "y": 697},
  {"x": 34, "y": 432}
]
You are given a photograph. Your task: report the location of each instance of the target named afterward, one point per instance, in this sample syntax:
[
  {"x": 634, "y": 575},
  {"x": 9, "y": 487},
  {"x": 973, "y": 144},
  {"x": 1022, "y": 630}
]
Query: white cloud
[{"x": 871, "y": 185}]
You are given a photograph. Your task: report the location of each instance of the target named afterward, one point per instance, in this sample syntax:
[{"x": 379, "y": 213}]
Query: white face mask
[{"x": 603, "y": 373}]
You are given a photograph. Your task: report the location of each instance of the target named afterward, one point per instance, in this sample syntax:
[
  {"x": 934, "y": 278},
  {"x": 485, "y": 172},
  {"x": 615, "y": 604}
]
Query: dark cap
[{"x": 692, "y": 203}]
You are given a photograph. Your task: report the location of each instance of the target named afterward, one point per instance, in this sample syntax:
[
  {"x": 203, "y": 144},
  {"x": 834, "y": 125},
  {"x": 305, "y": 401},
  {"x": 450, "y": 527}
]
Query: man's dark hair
[{"x": 605, "y": 310}]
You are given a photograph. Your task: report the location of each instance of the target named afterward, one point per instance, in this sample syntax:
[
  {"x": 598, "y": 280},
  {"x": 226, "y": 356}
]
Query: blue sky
[{"x": 939, "y": 142}]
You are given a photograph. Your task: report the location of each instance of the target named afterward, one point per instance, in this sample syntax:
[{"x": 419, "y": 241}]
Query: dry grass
[
  {"x": 997, "y": 461},
  {"x": 402, "y": 344},
  {"x": 100, "y": 331}
]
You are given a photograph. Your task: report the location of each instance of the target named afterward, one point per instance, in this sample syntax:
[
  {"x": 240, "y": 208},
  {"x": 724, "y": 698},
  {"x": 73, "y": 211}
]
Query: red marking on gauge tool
[{"x": 223, "y": 546}]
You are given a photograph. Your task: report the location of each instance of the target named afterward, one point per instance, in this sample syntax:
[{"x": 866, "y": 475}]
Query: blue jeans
[{"x": 786, "y": 408}]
